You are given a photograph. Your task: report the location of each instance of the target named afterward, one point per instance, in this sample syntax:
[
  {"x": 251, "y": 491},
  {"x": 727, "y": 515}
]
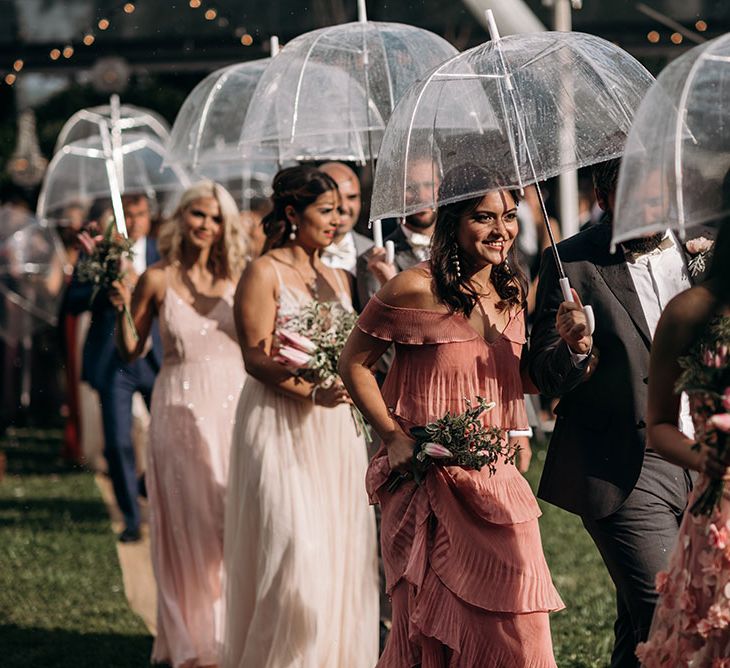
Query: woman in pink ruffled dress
[
  {"x": 691, "y": 626},
  {"x": 462, "y": 554}
]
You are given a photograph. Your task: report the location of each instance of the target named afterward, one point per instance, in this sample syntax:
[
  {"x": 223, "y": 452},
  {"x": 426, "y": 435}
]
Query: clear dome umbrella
[
  {"x": 511, "y": 112},
  {"x": 87, "y": 170},
  {"x": 330, "y": 92},
  {"x": 674, "y": 173},
  {"x": 205, "y": 136},
  {"x": 32, "y": 269},
  {"x": 87, "y": 123}
]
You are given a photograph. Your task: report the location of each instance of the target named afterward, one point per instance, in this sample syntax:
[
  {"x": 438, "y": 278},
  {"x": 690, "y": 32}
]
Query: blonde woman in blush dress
[
  {"x": 462, "y": 555},
  {"x": 193, "y": 409},
  {"x": 300, "y": 549}
]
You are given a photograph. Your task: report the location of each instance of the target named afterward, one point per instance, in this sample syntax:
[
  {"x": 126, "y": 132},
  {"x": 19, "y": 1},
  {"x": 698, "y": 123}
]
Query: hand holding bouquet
[
  {"x": 102, "y": 265},
  {"x": 457, "y": 440},
  {"x": 706, "y": 378},
  {"x": 310, "y": 343}
]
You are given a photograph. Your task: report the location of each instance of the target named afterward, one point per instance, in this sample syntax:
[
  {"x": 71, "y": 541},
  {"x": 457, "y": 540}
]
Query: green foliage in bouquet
[
  {"x": 457, "y": 440},
  {"x": 705, "y": 378},
  {"x": 104, "y": 266}
]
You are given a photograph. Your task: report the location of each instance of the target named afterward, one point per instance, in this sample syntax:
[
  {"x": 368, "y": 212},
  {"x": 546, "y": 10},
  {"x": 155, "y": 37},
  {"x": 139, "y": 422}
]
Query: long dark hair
[
  {"x": 456, "y": 292},
  {"x": 719, "y": 272},
  {"x": 297, "y": 187}
]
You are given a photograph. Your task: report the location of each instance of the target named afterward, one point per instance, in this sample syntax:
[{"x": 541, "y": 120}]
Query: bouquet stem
[
  {"x": 362, "y": 427},
  {"x": 130, "y": 322}
]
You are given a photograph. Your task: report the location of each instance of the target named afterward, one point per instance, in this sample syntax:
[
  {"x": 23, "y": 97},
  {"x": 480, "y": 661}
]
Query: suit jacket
[
  {"x": 597, "y": 448},
  {"x": 100, "y": 358},
  {"x": 405, "y": 258}
]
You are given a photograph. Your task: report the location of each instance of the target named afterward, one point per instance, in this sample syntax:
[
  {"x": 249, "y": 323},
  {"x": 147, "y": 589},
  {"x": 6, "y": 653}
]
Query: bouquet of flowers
[
  {"x": 102, "y": 264},
  {"x": 457, "y": 440},
  {"x": 706, "y": 378},
  {"x": 310, "y": 344}
]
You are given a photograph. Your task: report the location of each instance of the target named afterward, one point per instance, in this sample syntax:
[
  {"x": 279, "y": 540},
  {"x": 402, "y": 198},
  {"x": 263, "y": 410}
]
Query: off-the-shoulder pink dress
[{"x": 462, "y": 554}]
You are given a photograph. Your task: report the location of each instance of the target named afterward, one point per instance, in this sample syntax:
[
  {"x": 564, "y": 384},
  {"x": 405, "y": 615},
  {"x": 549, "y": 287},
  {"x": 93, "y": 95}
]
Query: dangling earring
[
  {"x": 293, "y": 233},
  {"x": 507, "y": 266},
  {"x": 455, "y": 260}
]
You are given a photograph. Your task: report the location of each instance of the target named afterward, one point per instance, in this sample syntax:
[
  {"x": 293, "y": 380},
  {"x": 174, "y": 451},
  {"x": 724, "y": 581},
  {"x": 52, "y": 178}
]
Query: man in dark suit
[
  {"x": 630, "y": 499},
  {"x": 411, "y": 240},
  {"x": 115, "y": 380}
]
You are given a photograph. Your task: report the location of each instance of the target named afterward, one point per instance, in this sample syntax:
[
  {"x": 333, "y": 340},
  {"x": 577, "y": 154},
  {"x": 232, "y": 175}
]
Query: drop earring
[
  {"x": 293, "y": 233},
  {"x": 455, "y": 260}
]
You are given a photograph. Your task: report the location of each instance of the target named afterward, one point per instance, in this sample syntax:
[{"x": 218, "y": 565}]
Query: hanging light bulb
[
  {"x": 129, "y": 8},
  {"x": 55, "y": 54},
  {"x": 103, "y": 24},
  {"x": 10, "y": 79},
  {"x": 68, "y": 51},
  {"x": 18, "y": 65},
  {"x": 88, "y": 39}
]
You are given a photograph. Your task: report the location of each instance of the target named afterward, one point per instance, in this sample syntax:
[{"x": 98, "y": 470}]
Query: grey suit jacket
[
  {"x": 405, "y": 258},
  {"x": 597, "y": 448}
]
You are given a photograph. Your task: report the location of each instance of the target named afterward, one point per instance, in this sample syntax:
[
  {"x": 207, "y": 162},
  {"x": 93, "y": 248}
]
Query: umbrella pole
[{"x": 562, "y": 278}]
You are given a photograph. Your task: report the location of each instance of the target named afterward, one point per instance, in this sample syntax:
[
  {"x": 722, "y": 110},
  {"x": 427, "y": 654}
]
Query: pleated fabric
[
  {"x": 461, "y": 552},
  {"x": 300, "y": 543}
]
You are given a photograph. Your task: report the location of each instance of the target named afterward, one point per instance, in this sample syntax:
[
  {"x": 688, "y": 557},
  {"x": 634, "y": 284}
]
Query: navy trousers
[{"x": 116, "y": 409}]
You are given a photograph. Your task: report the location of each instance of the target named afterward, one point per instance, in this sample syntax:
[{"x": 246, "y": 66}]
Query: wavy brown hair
[
  {"x": 456, "y": 292},
  {"x": 297, "y": 187}
]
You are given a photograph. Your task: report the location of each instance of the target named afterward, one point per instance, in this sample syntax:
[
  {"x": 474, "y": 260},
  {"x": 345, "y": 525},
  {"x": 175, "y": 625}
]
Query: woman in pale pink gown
[
  {"x": 462, "y": 555},
  {"x": 300, "y": 549},
  {"x": 193, "y": 410}
]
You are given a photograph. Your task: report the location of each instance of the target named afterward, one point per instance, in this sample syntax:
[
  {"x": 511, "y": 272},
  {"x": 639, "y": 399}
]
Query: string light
[
  {"x": 88, "y": 39},
  {"x": 55, "y": 54},
  {"x": 194, "y": 4},
  {"x": 129, "y": 8},
  {"x": 103, "y": 24},
  {"x": 246, "y": 39},
  {"x": 653, "y": 36},
  {"x": 68, "y": 51},
  {"x": 676, "y": 38},
  {"x": 10, "y": 79},
  {"x": 701, "y": 25},
  {"x": 18, "y": 65},
  {"x": 210, "y": 14}
]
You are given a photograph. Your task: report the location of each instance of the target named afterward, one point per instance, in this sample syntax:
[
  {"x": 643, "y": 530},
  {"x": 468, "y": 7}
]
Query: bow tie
[
  {"x": 344, "y": 249},
  {"x": 633, "y": 256}
]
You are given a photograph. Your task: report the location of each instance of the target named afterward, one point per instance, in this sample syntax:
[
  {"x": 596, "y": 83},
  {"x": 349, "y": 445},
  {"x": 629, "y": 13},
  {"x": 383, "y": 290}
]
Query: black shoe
[{"x": 130, "y": 536}]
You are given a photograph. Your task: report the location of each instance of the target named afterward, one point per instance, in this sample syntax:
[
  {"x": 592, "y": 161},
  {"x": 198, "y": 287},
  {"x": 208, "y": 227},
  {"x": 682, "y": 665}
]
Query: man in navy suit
[{"x": 115, "y": 380}]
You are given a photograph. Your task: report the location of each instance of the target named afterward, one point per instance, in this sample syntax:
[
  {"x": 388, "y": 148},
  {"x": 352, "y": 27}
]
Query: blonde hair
[{"x": 228, "y": 256}]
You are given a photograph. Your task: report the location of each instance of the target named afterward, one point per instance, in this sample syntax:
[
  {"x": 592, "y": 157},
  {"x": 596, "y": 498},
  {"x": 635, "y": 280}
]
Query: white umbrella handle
[
  {"x": 587, "y": 309},
  {"x": 378, "y": 233},
  {"x": 389, "y": 252}
]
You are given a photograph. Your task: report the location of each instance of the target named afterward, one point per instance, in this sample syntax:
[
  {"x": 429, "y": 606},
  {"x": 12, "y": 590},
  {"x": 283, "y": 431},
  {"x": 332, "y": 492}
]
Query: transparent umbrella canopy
[
  {"x": 87, "y": 123},
  {"x": 674, "y": 173},
  {"x": 519, "y": 110},
  {"x": 205, "y": 136},
  {"x": 85, "y": 171},
  {"x": 32, "y": 263},
  {"x": 330, "y": 92}
]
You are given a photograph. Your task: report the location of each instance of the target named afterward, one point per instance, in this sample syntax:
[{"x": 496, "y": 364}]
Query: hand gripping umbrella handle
[{"x": 587, "y": 309}]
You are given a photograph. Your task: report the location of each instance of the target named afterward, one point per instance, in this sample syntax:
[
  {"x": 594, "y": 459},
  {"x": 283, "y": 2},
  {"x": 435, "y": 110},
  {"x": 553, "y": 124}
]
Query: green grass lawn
[{"x": 62, "y": 602}]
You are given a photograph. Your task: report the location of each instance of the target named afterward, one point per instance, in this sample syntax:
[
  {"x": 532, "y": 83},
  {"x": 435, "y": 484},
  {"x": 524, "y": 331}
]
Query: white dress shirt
[
  {"x": 658, "y": 276},
  {"x": 341, "y": 254},
  {"x": 139, "y": 257},
  {"x": 420, "y": 243}
]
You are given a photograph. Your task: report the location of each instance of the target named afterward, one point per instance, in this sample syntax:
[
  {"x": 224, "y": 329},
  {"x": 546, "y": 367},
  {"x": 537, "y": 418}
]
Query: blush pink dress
[
  {"x": 462, "y": 554},
  {"x": 193, "y": 413}
]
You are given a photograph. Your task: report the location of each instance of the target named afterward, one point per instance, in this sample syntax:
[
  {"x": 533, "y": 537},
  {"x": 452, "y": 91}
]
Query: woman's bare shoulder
[{"x": 410, "y": 289}]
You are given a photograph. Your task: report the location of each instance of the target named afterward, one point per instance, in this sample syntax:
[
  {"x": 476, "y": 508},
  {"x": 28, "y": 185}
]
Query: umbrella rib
[
  {"x": 413, "y": 120},
  {"x": 295, "y": 115},
  {"x": 206, "y": 108}
]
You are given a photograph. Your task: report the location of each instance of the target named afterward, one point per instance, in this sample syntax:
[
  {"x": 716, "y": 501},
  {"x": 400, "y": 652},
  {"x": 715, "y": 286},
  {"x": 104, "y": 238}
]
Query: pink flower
[
  {"x": 720, "y": 663},
  {"x": 718, "y": 616},
  {"x": 661, "y": 581},
  {"x": 717, "y": 537},
  {"x": 721, "y": 421},
  {"x": 292, "y": 357},
  {"x": 295, "y": 340},
  {"x": 436, "y": 451},
  {"x": 699, "y": 245},
  {"x": 688, "y": 602}
]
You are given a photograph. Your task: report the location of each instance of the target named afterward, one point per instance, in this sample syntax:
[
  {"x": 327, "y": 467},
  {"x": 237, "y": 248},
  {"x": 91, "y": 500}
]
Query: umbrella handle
[
  {"x": 389, "y": 252},
  {"x": 378, "y": 233},
  {"x": 587, "y": 309}
]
